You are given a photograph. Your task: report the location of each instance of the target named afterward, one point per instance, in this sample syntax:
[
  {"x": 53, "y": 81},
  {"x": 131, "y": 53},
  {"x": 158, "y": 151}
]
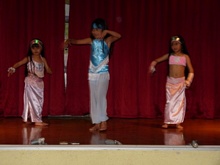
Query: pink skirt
[
  {"x": 33, "y": 98},
  {"x": 175, "y": 107}
]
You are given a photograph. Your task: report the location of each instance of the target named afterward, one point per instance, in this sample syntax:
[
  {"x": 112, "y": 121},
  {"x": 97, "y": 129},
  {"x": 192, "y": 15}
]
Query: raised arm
[{"x": 114, "y": 36}]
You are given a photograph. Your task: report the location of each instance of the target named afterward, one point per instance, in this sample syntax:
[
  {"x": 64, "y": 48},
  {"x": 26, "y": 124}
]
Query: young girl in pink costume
[
  {"x": 34, "y": 85},
  {"x": 179, "y": 62}
]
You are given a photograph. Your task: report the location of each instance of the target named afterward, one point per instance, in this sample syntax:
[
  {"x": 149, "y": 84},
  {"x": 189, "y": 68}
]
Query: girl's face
[
  {"x": 176, "y": 46},
  {"x": 36, "y": 49},
  {"x": 97, "y": 33}
]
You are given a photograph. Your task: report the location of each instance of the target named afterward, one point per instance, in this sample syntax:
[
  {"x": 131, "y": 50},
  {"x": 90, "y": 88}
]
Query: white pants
[{"x": 98, "y": 102}]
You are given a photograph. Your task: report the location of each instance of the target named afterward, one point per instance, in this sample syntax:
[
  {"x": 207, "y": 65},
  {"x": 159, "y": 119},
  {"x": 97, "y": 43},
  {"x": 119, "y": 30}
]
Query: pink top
[{"x": 177, "y": 60}]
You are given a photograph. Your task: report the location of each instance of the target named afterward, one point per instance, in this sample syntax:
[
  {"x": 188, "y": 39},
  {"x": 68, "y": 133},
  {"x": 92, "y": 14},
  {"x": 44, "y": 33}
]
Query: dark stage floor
[{"x": 74, "y": 130}]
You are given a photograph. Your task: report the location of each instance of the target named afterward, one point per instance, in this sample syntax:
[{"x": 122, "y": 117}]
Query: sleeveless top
[
  {"x": 36, "y": 68},
  {"x": 99, "y": 57},
  {"x": 177, "y": 60}
]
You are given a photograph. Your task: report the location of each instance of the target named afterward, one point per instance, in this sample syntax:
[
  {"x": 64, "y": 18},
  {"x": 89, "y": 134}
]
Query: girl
[
  {"x": 179, "y": 61},
  {"x": 34, "y": 85},
  {"x": 100, "y": 40}
]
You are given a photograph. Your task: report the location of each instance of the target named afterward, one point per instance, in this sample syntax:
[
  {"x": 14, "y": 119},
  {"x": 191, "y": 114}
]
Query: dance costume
[
  {"x": 34, "y": 92},
  {"x": 98, "y": 80},
  {"x": 177, "y": 60},
  {"x": 175, "y": 94},
  {"x": 176, "y": 100}
]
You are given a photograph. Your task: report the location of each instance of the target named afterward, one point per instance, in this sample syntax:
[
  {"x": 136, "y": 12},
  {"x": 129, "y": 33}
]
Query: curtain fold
[{"x": 21, "y": 21}]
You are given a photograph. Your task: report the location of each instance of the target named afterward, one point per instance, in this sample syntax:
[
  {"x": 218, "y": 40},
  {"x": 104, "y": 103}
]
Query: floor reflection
[
  {"x": 73, "y": 131},
  {"x": 173, "y": 137},
  {"x": 31, "y": 133},
  {"x": 98, "y": 138}
]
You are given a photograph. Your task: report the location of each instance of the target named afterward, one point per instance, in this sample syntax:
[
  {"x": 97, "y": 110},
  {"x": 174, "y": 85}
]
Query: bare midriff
[{"x": 176, "y": 71}]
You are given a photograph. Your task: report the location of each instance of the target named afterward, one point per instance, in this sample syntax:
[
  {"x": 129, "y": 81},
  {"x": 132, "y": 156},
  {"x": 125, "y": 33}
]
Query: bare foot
[
  {"x": 41, "y": 124},
  {"x": 103, "y": 126},
  {"x": 27, "y": 122},
  {"x": 165, "y": 126},
  {"x": 178, "y": 126},
  {"x": 94, "y": 128}
]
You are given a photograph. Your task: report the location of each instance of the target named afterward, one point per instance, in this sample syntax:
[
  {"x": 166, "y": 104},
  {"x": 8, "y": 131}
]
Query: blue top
[{"x": 99, "y": 57}]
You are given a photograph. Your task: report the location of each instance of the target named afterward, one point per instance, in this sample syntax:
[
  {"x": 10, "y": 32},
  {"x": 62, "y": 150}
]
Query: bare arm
[
  {"x": 191, "y": 71},
  {"x": 11, "y": 70},
  {"x": 114, "y": 36},
  {"x": 189, "y": 64},
  {"x": 162, "y": 58},
  {"x": 156, "y": 61},
  {"x": 70, "y": 42},
  {"x": 48, "y": 69}
]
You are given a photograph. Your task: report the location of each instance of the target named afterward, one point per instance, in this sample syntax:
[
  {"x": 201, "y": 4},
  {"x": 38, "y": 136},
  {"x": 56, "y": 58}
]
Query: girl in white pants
[{"x": 100, "y": 40}]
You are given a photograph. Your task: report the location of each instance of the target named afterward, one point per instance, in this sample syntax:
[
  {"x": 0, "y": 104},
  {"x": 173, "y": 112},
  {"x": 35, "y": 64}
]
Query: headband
[
  {"x": 175, "y": 38},
  {"x": 36, "y": 42},
  {"x": 97, "y": 26}
]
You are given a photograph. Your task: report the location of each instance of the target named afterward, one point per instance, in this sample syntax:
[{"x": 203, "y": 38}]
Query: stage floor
[{"x": 74, "y": 131}]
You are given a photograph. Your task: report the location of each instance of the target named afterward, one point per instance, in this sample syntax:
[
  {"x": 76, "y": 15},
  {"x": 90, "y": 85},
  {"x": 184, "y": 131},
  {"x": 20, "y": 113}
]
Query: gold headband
[
  {"x": 37, "y": 42},
  {"x": 175, "y": 38}
]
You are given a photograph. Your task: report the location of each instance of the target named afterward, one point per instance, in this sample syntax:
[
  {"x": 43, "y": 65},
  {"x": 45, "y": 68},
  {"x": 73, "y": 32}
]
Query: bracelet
[
  {"x": 11, "y": 69},
  {"x": 152, "y": 69},
  {"x": 152, "y": 66}
]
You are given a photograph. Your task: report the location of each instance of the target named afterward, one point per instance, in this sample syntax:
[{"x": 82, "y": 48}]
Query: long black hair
[{"x": 34, "y": 43}]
